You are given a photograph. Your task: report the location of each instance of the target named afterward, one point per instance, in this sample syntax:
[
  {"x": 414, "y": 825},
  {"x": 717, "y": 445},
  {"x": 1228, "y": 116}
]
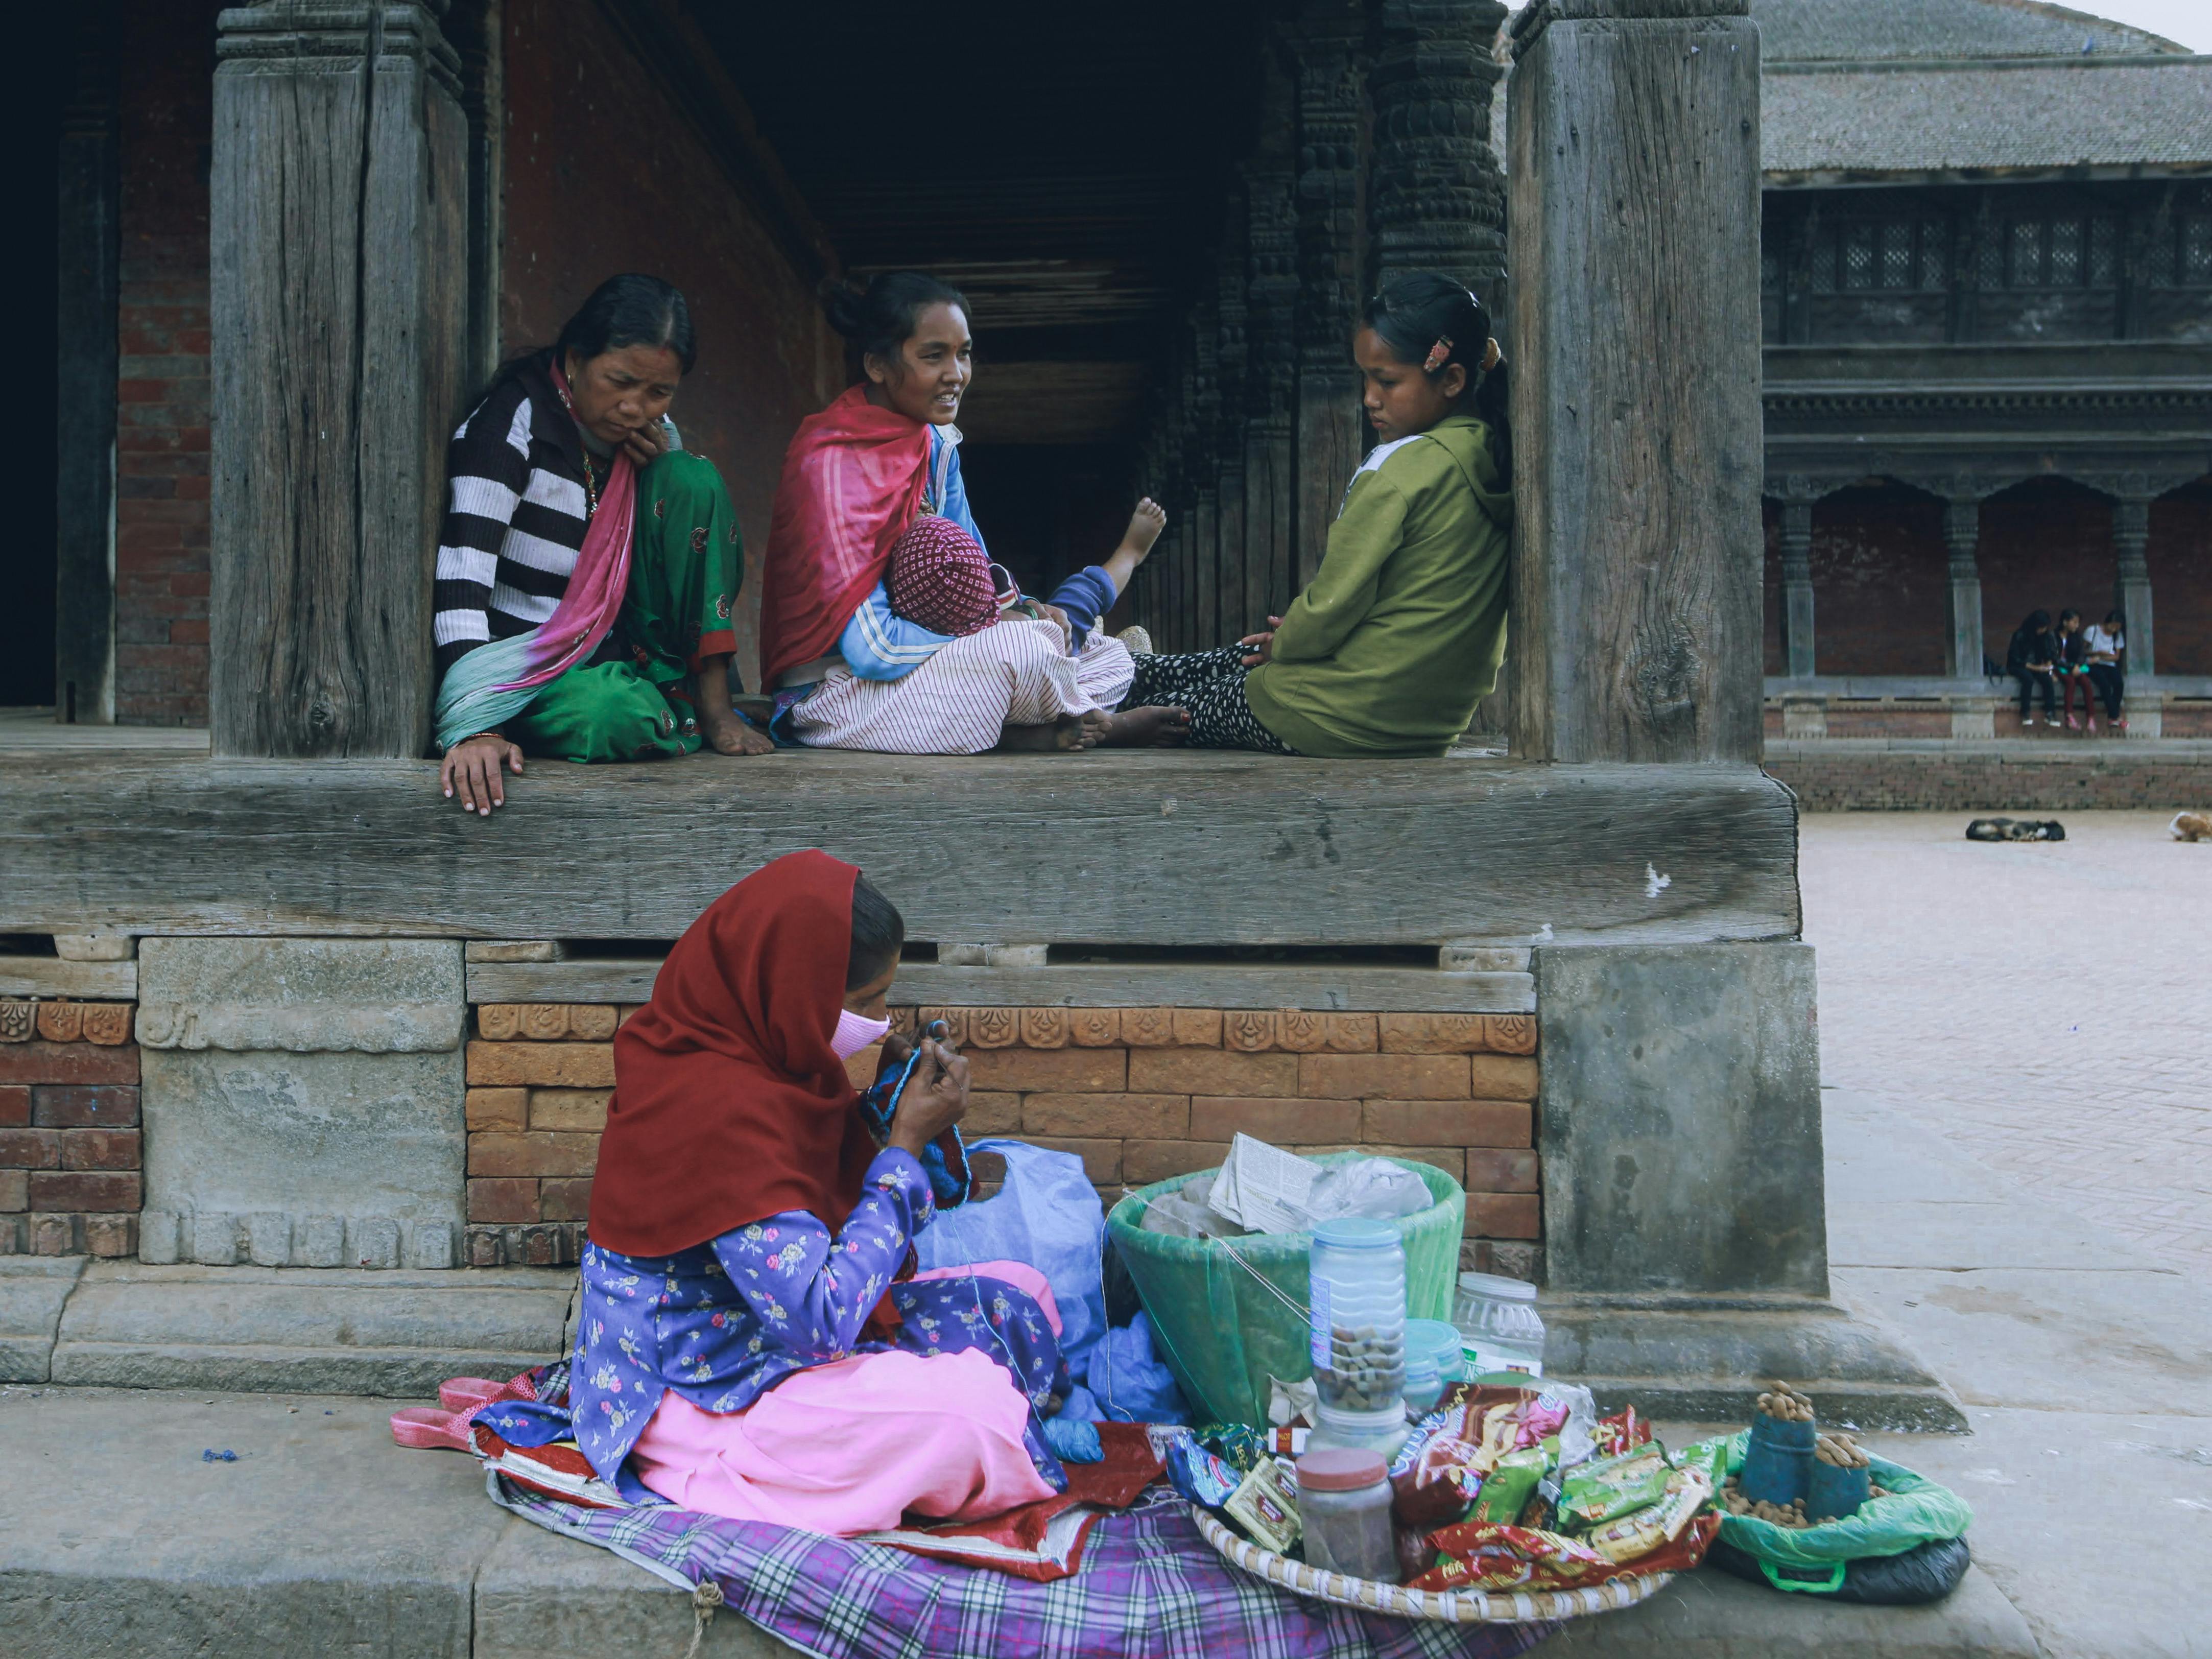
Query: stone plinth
[{"x": 303, "y": 1101}]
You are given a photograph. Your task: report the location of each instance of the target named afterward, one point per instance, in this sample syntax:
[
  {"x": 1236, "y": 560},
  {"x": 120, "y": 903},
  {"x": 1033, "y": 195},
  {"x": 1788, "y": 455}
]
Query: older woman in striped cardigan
[{"x": 588, "y": 565}]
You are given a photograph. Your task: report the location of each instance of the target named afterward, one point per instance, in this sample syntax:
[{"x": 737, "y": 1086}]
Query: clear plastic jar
[
  {"x": 1433, "y": 1363},
  {"x": 1497, "y": 1321},
  {"x": 1344, "y": 1514},
  {"x": 1357, "y": 1293}
]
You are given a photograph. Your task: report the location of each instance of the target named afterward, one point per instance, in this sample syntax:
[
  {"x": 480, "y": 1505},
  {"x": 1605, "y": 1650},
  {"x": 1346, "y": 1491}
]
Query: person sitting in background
[
  {"x": 1401, "y": 632},
  {"x": 588, "y": 564},
  {"x": 2072, "y": 667},
  {"x": 2102, "y": 647},
  {"x": 2032, "y": 660},
  {"x": 847, "y": 672}
]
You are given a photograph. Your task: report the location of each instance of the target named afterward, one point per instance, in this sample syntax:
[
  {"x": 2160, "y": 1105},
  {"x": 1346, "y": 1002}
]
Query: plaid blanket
[{"x": 1149, "y": 1588}]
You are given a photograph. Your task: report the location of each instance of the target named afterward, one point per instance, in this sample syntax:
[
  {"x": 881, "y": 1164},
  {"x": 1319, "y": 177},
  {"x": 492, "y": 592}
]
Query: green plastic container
[{"x": 1228, "y": 1314}]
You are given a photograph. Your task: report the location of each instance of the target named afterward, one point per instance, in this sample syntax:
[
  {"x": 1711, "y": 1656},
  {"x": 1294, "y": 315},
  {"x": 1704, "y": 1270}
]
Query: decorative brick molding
[
  {"x": 69, "y": 1161},
  {"x": 1140, "y": 1094}
]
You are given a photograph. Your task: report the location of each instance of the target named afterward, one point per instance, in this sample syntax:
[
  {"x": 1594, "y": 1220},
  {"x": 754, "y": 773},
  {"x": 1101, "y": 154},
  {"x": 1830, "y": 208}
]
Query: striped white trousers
[{"x": 1015, "y": 673}]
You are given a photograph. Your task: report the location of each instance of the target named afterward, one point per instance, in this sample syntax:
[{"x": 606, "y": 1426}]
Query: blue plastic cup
[
  {"x": 1777, "y": 1465},
  {"x": 1832, "y": 1493}
]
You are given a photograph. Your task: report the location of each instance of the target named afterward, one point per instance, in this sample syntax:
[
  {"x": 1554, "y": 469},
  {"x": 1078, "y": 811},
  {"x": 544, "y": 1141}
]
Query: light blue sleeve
[
  {"x": 878, "y": 644},
  {"x": 952, "y": 490}
]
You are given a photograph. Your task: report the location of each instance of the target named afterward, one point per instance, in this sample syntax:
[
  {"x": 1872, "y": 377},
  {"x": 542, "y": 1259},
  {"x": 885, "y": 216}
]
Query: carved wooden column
[
  {"x": 1271, "y": 389},
  {"x": 1797, "y": 588},
  {"x": 1233, "y": 618},
  {"x": 1962, "y": 530},
  {"x": 1797, "y": 579},
  {"x": 1331, "y": 250},
  {"x": 1204, "y": 407},
  {"x": 1634, "y": 178},
  {"x": 1438, "y": 200},
  {"x": 339, "y": 313},
  {"x": 88, "y": 252},
  {"x": 2131, "y": 542}
]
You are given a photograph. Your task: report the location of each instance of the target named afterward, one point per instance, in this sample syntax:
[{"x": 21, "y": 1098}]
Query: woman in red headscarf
[{"x": 737, "y": 1345}]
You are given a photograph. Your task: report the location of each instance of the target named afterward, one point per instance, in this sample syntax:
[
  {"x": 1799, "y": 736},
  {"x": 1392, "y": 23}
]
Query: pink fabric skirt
[{"x": 851, "y": 1446}]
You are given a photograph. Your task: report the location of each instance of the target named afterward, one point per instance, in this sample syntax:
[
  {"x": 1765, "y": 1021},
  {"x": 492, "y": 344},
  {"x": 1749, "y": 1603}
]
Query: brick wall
[
  {"x": 2119, "y": 778},
  {"x": 69, "y": 1129},
  {"x": 167, "y": 59},
  {"x": 1139, "y": 1094},
  {"x": 2180, "y": 554},
  {"x": 602, "y": 177}
]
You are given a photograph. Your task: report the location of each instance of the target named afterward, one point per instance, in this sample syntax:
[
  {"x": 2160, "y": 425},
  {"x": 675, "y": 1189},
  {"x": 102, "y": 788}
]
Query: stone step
[
  {"x": 334, "y": 1330},
  {"x": 116, "y": 1537}
]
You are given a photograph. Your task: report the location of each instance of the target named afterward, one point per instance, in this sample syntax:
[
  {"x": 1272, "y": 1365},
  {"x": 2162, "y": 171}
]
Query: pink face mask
[{"x": 854, "y": 1033}]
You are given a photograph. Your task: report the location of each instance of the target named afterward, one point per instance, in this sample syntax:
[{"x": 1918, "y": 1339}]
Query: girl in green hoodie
[{"x": 1401, "y": 633}]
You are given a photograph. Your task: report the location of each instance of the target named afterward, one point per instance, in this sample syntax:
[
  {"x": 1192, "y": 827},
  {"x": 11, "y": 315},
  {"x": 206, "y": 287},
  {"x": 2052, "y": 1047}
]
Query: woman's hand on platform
[
  {"x": 936, "y": 1098},
  {"x": 648, "y": 444},
  {"x": 1261, "y": 646},
  {"x": 471, "y": 767}
]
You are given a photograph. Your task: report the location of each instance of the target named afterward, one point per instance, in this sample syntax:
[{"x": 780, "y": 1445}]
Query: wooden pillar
[
  {"x": 1438, "y": 201},
  {"x": 1271, "y": 387},
  {"x": 1962, "y": 530},
  {"x": 84, "y": 408},
  {"x": 1331, "y": 259},
  {"x": 2131, "y": 592},
  {"x": 1797, "y": 586},
  {"x": 339, "y": 316},
  {"x": 1231, "y": 618},
  {"x": 1634, "y": 220}
]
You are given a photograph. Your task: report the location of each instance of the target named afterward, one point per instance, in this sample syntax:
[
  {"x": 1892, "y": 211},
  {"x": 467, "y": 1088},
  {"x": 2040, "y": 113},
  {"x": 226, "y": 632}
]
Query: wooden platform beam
[{"x": 1107, "y": 848}]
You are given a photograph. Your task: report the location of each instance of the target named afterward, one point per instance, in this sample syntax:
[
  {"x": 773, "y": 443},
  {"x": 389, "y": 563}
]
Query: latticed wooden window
[
  {"x": 2065, "y": 251},
  {"x": 1907, "y": 255},
  {"x": 2181, "y": 251}
]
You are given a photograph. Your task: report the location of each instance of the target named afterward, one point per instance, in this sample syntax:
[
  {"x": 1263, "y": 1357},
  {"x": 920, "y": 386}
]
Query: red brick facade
[
  {"x": 69, "y": 1181},
  {"x": 168, "y": 54},
  {"x": 1140, "y": 1094}
]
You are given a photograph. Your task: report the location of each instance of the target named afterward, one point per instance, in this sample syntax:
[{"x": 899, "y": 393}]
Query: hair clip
[{"x": 1438, "y": 354}]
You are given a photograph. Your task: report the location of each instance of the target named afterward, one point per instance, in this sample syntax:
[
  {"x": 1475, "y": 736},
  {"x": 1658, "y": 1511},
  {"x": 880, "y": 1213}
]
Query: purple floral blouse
[{"x": 722, "y": 1322}]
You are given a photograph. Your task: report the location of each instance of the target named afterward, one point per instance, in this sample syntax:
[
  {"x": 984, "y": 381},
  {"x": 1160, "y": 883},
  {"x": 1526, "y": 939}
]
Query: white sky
[{"x": 2188, "y": 22}]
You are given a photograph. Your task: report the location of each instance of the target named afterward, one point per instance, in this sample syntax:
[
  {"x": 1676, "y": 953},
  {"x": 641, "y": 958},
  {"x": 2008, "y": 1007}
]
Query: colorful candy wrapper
[
  {"x": 1507, "y": 1488},
  {"x": 1622, "y": 1431},
  {"x": 1709, "y": 1456},
  {"x": 1597, "y": 1492},
  {"x": 1636, "y": 1534},
  {"x": 1199, "y": 1475},
  {"x": 1478, "y": 1556},
  {"x": 1263, "y": 1506}
]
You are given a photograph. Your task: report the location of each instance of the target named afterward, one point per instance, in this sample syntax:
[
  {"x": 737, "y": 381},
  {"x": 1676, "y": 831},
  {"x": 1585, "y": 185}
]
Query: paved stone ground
[{"x": 2046, "y": 1007}]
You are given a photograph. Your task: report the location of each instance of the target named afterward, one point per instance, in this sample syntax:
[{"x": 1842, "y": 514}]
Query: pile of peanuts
[
  {"x": 1839, "y": 1451},
  {"x": 1785, "y": 1405},
  {"x": 1791, "y": 1514}
]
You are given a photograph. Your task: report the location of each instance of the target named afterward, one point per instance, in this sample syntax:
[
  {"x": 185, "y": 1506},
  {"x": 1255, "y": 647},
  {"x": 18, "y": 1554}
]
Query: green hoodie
[{"x": 1401, "y": 631}]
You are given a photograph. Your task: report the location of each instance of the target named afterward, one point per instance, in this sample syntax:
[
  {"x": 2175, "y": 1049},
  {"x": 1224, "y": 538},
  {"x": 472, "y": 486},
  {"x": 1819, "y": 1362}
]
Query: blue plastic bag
[
  {"x": 1047, "y": 1215},
  {"x": 1131, "y": 1384}
]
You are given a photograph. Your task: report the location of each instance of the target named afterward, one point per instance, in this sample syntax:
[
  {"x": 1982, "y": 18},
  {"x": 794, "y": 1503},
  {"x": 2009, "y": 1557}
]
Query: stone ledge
[
  {"x": 306, "y": 1329},
  {"x": 326, "y": 1538}
]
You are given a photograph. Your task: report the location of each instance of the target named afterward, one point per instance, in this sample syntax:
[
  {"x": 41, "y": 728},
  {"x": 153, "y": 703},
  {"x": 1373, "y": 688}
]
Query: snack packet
[
  {"x": 1263, "y": 1506},
  {"x": 1639, "y": 1532},
  {"x": 1199, "y": 1475},
  {"x": 1709, "y": 1456},
  {"x": 1597, "y": 1492},
  {"x": 1507, "y": 1488},
  {"x": 1481, "y": 1557},
  {"x": 1623, "y": 1431}
]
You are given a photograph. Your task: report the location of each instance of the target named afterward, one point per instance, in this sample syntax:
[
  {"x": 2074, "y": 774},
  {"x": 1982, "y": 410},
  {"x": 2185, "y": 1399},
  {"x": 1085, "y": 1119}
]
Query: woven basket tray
[{"x": 1445, "y": 1607}]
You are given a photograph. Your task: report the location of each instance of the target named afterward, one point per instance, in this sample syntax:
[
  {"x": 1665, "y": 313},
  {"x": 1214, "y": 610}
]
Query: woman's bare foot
[
  {"x": 1151, "y": 727},
  {"x": 728, "y": 734},
  {"x": 1145, "y": 527},
  {"x": 1069, "y": 732}
]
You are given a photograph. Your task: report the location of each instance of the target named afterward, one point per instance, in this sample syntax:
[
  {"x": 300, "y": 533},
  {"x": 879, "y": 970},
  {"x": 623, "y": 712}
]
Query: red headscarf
[
  {"x": 729, "y": 1103},
  {"x": 852, "y": 480}
]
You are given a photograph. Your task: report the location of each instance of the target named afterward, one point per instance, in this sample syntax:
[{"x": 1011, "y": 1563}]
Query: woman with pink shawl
[
  {"x": 846, "y": 669},
  {"x": 588, "y": 564}
]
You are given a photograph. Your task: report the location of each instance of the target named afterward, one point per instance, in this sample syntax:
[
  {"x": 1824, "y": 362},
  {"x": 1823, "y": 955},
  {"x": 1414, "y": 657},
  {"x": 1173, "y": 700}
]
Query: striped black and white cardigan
[{"x": 515, "y": 514}]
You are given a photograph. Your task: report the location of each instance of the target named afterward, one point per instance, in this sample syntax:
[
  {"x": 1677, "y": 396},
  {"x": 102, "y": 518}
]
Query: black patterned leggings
[{"x": 1210, "y": 685}]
